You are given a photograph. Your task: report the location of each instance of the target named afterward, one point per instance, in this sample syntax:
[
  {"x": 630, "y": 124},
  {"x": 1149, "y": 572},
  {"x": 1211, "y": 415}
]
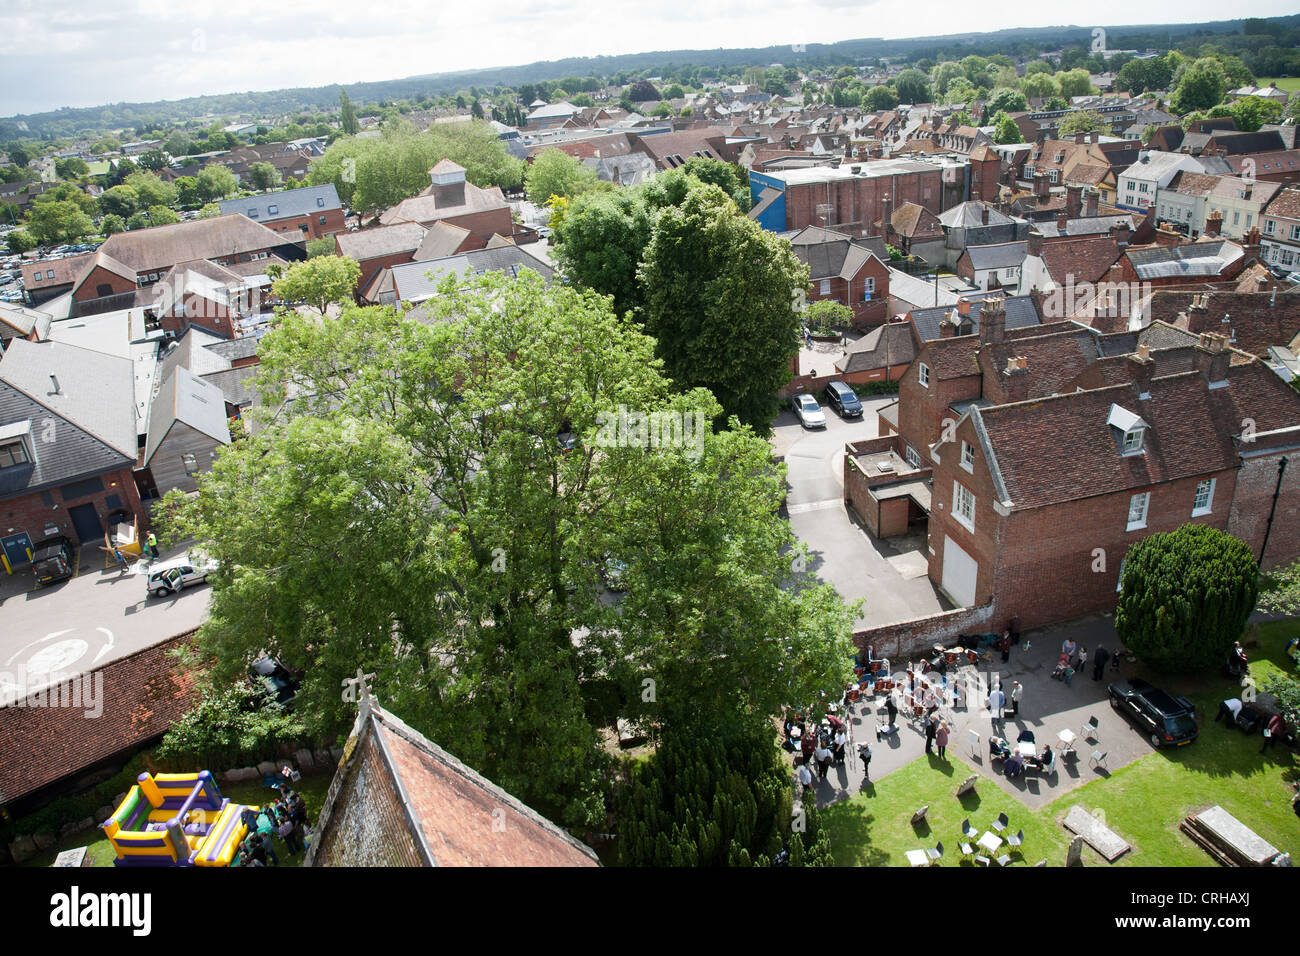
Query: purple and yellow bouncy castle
[{"x": 176, "y": 819}]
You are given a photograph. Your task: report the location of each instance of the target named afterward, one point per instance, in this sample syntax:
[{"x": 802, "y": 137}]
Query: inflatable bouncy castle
[{"x": 175, "y": 819}]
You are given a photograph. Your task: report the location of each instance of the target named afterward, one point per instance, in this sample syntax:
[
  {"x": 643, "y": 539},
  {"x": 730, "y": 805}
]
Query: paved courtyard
[
  {"x": 1048, "y": 707},
  {"x": 101, "y": 614},
  {"x": 890, "y": 575}
]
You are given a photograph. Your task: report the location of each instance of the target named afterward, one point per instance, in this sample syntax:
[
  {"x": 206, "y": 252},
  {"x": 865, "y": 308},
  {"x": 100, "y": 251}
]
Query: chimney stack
[
  {"x": 1080, "y": 138},
  {"x": 984, "y": 214},
  {"x": 1213, "y": 357},
  {"x": 1073, "y": 201},
  {"x": 1093, "y": 137},
  {"x": 1143, "y": 368},
  {"x": 1041, "y": 188},
  {"x": 1035, "y": 246},
  {"x": 963, "y": 306},
  {"x": 1090, "y": 203},
  {"x": 993, "y": 321},
  {"x": 1062, "y": 220},
  {"x": 1213, "y": 224},
  {"x": 1121, "y": 231}
]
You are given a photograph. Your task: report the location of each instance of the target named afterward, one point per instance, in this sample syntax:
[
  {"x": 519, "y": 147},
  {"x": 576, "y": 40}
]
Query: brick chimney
[
  {"x": 1213, "y": 358},
  {"x": 1080, "y": 138},
  {"x": 948, "y": 326},
  {"x": 1073, "y": 201},
  {"x": 993, "y": 321},
  {"x": 1198, "y": 316},
  {"x": 1168, "y": 238},
  {"x": 963, "y": 307},
  {"x": 1093, "y": 137},
  {"x": 1144, "y": 367},
  {"x": 1041, "y": 188},
  {"x": 1035, "y": 244},
  {"x": 1090, "y": 203},
  {"x": 1062, "y": 220},
  {"x": 1121, "y": 232},
  {"x": 1250, "y": 245},
  {"x": 1213, "y": 224}
]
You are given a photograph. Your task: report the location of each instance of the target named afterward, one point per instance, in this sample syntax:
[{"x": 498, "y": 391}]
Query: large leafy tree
[
  {"x": 59, "y": 221},
  {"x": 216, "y": 182},
  {"x": 913, "y": 87},
  {"x": 1006, "y": 130},
  {"x": 407, "y": 510},
  {"x": 1006, "y": 100},
  {"x": 600, "y": 241},
  {"x": 1185, "y": 597},
  {"x": 1083, "y": 121},
  {"x": 319, "y": 281},
  {"x": 263, "y": 176},
  {"x": 150, "y": 190},
  {"x": 730, "y": 178},
  {"x": 1199, "y": 85},
  {"x": 554, "y": 172},
  {"x": 721, "y": 297},
  {"x": 119, "y": 201},
  {"x": 717, "y": 799},
  {"x": 347, "y": 114}
]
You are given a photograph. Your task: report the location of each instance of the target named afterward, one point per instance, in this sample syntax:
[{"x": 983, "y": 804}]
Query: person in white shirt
[
  {"x": 805, "y": 776},
  {"x": 823, "y": 757},
  {"x": 1017, "y": 692},
  {"x": 1228, "y": 709}
]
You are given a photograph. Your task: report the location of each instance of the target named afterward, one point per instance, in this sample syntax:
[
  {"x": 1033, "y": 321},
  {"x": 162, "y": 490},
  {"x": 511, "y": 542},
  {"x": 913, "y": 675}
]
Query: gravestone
[
  {"x": 968, "y": 785},
  {"x": 1227, "y": 839},
  {"x": 75, "y": 857},
  {"x": 1096, "y": 834},
  {"x": 1074, "y": 855}
]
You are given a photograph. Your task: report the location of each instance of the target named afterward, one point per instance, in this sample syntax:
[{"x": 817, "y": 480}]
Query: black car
[
  {"x": 266, "y": 673},
  {"x": 53, "y": 559},
  {"x": 843, "y": 399},
  {"x": 1167, "y": 721}
]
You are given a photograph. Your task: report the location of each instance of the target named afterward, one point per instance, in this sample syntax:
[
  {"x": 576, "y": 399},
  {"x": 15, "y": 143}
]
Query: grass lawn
[
  {"x": 100, "y": 853},
  {"x": 1143, "y": 802},
  {"x": 1289, "y": 83}
]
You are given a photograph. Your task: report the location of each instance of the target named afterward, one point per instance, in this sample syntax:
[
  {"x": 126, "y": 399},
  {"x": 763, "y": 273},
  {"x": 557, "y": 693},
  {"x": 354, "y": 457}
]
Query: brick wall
[
  {"x": 859, "y": 202},
  {"x": 908, "y": 640},
  {"x": 1256, "y": 482},
  {"x": 31, "y": 514}
]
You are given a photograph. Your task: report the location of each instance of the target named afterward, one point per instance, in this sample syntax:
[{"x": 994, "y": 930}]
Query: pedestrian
[
  {"x": 892, "y": 710},
  {"x": 807, "y": 744},
  {"x": 121, "y": 561},
  {"x": 1082, "y": 661},
  {"x": 997, "y": 700},
  {"x": 1017, "y": 692},
  {"x": 151, "y": 543},
  {"x": 265, "y": 842},
  {"x": 931, "y": 731},
  {"x": 1114, "y": 661},
  {"x": 1067, "y": 647},
  {"x": 941, "y": 739},
  {"x": 823, "y": 756},
  {"x": 841, "y": 739},
  {"x": 287, "y": 832},
  {"x": 1272, "y": 730},
  {"x": 805, "y": 777},
  {"x": 864, "y": 754},
  {"x": 1228, "y": 711},
  {"x": 1099, "y": 666},
  {"x": 1005, "y": 646}
]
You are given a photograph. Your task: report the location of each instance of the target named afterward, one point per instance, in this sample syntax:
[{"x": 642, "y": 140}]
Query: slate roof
[
  {"x": 424, "y": 208},
  {"x": 971, "y": 214},
  {"x": 236, "y": 384},
  {"x": 144, "y": 694},
  {"x": 998, "y": 255},
  {"x": 836, "y": 258},
  {"x": 1197, "y": 259},
  {"x": 289, "y": 203},
  {"x": 160, "y": 247},
  {"x": 19, "y": 320},
  {"x": 232, "y": 350},
  {"x": 400, "y": 799},
  {"x": 184, "y": 397},
  {"x": 1060, "y": 448},
  {"x": 883, "y": 347},
  {"x": 412, "y": 283},
  {"x": 442, "y": 240},
  {"x": 1020, "y": 311}
]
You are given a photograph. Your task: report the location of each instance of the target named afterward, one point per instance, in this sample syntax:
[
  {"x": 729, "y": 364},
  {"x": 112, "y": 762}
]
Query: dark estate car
[
  {"x": 843, "y": 399},
  {"x": 1167, "y": 721},
  {"x": 53, "y": 559},
  {"x": 266, "y": 673}
]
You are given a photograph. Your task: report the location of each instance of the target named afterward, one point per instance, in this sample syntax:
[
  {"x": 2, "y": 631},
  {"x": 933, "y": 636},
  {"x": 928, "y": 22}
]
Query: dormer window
[
  {"x": 1133, "y": 441},
  {"x": 13, "y": 453},
  {"x": 1131, "y": 429}
]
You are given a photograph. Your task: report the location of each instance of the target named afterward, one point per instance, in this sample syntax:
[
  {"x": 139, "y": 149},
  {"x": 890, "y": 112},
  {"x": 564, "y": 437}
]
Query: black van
[
  {"x": 53, "y": 559},
  {"x": 843, "y": 399}
]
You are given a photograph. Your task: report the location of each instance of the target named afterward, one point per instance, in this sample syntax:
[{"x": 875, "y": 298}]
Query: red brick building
[
  {"x": 308, "y": 212},
  {"x": 844, "y": 270},
  {"x": 451, "y": 198}
]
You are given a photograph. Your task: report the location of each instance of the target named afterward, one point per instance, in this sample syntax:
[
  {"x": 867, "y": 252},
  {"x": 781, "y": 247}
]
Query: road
[
  {"x": 893, "y": 581},
  {"x": 74, "y": 626}
]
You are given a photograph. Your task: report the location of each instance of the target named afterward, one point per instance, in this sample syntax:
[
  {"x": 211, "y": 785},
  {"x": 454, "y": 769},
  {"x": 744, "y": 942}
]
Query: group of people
[
  {"x": 288, "y": 818},
  {"x": 1013, "y": 764},
  {"x": 821, "y": 745},
  {"x": 1075, "y": 657}
]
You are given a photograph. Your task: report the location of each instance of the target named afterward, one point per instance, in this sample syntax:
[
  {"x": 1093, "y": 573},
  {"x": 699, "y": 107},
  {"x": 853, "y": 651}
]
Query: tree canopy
[
  {"x": 554, "y": 172},
  {"x": 320, "y": 281}
]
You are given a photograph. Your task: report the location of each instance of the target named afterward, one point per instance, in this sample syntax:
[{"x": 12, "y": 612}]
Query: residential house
[
  {"x": 187, "y": 428},
  {"x": 993, "y": 266},
  {"x": 1138, "y": 184},
  {"x": 416, "y": 282},
  {"x": 451, "y": 198},
  {"x": 844, "y": 270},
  {"x": 47, "y": 279},
  {"x": 1191, "y": 197},
  {"x": 883, "y": 354},
  {"x": 1280, "y": 235},
  {"x": 1282, "y": 166},
  {"x": 308, "y": 212}
]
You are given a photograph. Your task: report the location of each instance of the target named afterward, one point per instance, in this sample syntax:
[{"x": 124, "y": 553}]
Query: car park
[
  {"x": 1167, "y": 721},
  {"x": 808, "y": 412},
  {"x": 843, "y": 399}
]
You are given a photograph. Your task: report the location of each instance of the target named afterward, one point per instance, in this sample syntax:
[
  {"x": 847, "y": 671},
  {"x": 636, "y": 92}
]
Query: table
[
  {"x": 990, "y": 841},
  {"x": 917, "y": 857},
  {"x": 1026, "y": 748},
  {"x": 1067, "y": 738}
]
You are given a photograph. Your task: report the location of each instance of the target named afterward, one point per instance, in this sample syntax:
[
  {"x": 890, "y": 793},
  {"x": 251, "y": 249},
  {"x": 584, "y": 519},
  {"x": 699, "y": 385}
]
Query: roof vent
[
  {"x": 55, "y": 380},
  {"x": 885, "y": 466}
]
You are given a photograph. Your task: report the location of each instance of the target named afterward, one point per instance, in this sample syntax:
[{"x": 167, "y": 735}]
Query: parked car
[
  {"x": 269, "y": 674},
  {"x": 177, "y": 575},
  {"x": 1167, "y": 720},
  {"x": 53, "y": 559},
  {"x": 808, "y": 412},
  {"x": 843, "y": 399}
]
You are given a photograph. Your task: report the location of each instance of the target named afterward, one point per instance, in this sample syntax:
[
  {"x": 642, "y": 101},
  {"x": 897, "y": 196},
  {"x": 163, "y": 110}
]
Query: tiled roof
[
  {"x": 1286, "y": 204},
  {"x": 1061, "y": 448},
  {"x": 413, "y": 803},
  {"x": 1086, "y": 259},
  {"x": 144, "y": 694},
  {"x": 190, "y": 400},
  {"x": 158, "y": 247},
  {"x": 998, "y": 255},
  {"x": 1253, "y": 321},
  {"x": 1020, "y": 311},
  {"x": 36, "y": 274},
  {"x": 442, "y": 240},
  {"x": 883, "y": 347},
  {"x": 425, "y": 208},
  {"x": 380, "y": 241}
]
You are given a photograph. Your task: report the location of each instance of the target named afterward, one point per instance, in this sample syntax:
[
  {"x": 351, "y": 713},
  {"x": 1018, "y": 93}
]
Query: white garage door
[{"x": 959, "y": 571}]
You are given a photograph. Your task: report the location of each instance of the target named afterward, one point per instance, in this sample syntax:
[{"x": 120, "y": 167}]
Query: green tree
[
  {"x": 912, "y": 86},
  {"x": 1006, "y": 100},
  {"x": 139, "y": 220},
  {"x": 162, "y": 216},
  {"x": 717, "y": 798},
  {"x": 187, "y": 191},
  {"x": 828, "y": 316},
  {"x": 119, "y": 201},
  {"x": 216, "y": 182},
  {"x": 1074, "y": 83},
  {"x": 1200, "y": 85},
  {"x": 153, "y": 160},
  {"x": 1007, "y": 131},
  {"x": 112, "y": 224},
  {"x": 50, "y": 223},
  {"x": 263, "y": 176},
  {"x": 1039, "y": 86},
  {"x": 324, "y": 246},
  {"x": 879, "y": 98},
  {"x": 944, "y": 74},
  {"x": 720, "y": 297},
  {"x": 208, "y": 210},
  {"x": 150, "y": 190},
  {"x": 19, "y": 241},
  {"x": 554, "y": 172},
  {"x": 1185, "y": 596},
  {"x": 18, "y": 154},
  {"x": 348, "y": 114},
  {"x": 71, "y": 168},
  {"x": 1083, "y": 121},
  {"x": 319, "y": 282},
  {"x": 1138, "y": 76},
  {"x": 393, "y": 517},
  {"x": 730, "y": 178},
  {"x": 600, "y": 241}
]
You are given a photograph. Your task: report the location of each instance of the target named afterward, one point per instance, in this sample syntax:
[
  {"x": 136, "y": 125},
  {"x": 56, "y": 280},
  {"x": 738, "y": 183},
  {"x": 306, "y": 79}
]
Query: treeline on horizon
[{"x": 1268, "y": 46}]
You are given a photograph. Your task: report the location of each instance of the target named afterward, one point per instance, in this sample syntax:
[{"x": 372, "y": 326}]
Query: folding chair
[
  {"x": 936, "y": 854},
  {"x": 974, "y": 743},
  {"x": 968, "y": 831},
  {"x": 983, "y": 860},
  {"x": 1098, "y": 759},
  {"x": 1003, "y": 860},
  {"x": 1090, "y": 730},
  {"x": 967, "y": 850},
  {"x": 1001, "y": 823},
  {"x": 1016, "y": 839}
]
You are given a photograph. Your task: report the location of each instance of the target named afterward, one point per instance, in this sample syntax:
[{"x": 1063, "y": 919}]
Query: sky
[{"x": 91, "y": 52}]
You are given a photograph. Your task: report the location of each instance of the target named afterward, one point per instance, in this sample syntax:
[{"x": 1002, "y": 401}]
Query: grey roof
[
  {"x": 186, "y": 398},
  {"x": 1084, "y": 226},
  {"x": 190, "y": 352},
  {"x": 917, "y": 291},
  {"x": 1196, "y": 259},
  {"x": 999, "y": 255},
  {"x": 96, "y": 391},
  {"x": 969, "y": 214},
  {"x": 417, "y": 281},
  {"x": 288, "y": 203},
  {"x": 1020, "y": 312},
  {"x": 24, "y": 320},
  {"x": 235, "y": 383},
  {"x": 840, "y": 258},
  {"x": 380, "y": 240},
  {"x": 232, "y": 350}
]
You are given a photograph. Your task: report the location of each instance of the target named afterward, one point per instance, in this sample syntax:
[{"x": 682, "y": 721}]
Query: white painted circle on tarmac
[{"x": 57, "y": 657}]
